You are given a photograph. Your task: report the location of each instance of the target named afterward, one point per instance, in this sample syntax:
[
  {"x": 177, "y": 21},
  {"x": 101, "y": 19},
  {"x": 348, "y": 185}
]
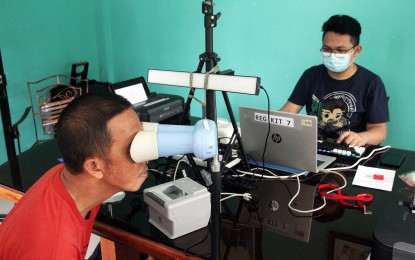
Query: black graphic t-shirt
[{"x": 342, "y": 105}]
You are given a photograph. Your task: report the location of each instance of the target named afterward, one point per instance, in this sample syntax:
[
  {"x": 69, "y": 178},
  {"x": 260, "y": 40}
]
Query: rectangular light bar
[{"x": 236, "y": 84}]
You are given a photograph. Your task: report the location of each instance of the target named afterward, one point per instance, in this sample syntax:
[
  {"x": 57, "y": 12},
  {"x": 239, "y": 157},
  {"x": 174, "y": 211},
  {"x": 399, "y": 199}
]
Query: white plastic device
[
  {"x": 178, "y": 207},
  {"x": 158, "y": 140}
]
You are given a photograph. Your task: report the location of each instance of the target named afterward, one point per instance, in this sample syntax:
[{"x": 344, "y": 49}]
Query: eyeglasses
[{"x": 339, "y": 53}]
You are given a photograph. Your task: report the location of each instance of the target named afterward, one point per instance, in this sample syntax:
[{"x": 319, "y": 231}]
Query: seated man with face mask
[{"x": 349, "y": 100}]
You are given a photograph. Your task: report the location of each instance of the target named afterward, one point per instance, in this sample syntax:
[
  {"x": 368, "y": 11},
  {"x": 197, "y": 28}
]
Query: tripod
[{"x": 211, "y": 59}]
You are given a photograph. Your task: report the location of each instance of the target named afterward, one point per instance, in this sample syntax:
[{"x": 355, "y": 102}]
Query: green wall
[
  {"x": 275, "y": 40},
  {"x": 39, "y": 39}
]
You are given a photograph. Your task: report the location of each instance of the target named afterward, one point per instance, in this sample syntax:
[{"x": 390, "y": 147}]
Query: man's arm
[
  {"x": 374, "y": 135},
  {"x": 291, "y": 107}
]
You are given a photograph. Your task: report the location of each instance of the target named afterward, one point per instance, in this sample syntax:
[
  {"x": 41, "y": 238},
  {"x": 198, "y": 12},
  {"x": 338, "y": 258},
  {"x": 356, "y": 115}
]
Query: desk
[{"x": 129, "y": 227}]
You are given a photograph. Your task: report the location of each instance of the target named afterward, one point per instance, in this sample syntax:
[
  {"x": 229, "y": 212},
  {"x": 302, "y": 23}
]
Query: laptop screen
[
  {"x": 134, "y": 90},
  {"x": 134, "y": 93}
]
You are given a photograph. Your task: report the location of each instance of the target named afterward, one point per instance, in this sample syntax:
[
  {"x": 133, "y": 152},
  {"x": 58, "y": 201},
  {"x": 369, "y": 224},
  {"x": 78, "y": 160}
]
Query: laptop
[
  {"x": 291, "y": 144},
  {"x": 137, "y": 92},
  {"x": 273, "y": 213}
]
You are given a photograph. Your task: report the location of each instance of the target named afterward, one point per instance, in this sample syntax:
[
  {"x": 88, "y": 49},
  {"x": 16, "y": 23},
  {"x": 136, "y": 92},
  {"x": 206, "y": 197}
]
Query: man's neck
[
  {"x": 350, "y": 71},
  {"x": 83, "y": 189}
]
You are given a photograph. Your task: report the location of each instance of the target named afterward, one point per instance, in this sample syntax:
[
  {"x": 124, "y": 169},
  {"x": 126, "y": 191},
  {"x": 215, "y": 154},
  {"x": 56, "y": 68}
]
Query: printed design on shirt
[{"x": 334, "y": 112}]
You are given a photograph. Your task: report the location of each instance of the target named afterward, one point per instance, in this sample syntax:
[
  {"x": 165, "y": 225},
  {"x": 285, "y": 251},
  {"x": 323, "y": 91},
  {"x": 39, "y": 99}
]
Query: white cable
[
  {"x": 274, "y": 176},
  {"x": 303, "y": 211},
  {"x": 246, "y": 196},
  {"x": 329, "y": 170},
  {"x": 324, "y": 199},
  {"x": 387, "y": 147},
  {"x": 177, "y": 167}
]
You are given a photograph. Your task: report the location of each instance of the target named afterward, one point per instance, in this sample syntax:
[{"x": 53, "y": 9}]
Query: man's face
[
  {"x": 123, "y": 172},
  {"x": 340, "y": 43}
]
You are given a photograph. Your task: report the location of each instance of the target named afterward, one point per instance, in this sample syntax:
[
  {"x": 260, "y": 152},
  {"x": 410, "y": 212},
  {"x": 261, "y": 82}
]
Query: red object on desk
[{"x": 377, "y": 177}]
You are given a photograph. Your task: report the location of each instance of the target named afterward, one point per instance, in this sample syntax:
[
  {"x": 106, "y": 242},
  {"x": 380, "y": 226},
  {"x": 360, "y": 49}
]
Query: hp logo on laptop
[{"x": 276, "y": 138}]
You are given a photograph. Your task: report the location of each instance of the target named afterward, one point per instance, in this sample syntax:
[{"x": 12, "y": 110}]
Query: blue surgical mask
[{"x": 337, "y": 62}]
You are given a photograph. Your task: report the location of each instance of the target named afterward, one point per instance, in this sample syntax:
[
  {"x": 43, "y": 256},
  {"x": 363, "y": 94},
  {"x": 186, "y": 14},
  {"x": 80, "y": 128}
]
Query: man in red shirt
[{"x": 54, "y": 218}]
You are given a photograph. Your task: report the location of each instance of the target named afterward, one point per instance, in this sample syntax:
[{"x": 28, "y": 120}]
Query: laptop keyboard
[{"x": 340, "y": 150}]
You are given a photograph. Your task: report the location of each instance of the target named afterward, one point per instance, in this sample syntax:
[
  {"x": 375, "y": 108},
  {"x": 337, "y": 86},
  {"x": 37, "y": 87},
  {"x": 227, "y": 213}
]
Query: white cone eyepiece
[{"x": 159, "y": 140}]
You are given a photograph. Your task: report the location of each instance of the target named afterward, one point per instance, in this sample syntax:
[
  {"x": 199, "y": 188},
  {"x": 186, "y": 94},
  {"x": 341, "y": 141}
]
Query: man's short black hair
[
  {"x": 343, "y": 24},
  {"x": 82, "y": 129}
]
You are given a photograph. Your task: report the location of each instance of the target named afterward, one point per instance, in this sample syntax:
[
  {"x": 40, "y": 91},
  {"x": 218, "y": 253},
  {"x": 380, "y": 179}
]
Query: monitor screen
[
  {"x": 134, "y": 93},
  {"x": 134, "y": 90}
]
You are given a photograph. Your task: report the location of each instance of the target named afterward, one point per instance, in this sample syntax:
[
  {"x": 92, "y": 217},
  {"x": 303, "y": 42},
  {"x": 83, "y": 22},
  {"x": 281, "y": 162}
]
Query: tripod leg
[
  {"x": 186, "y": 110},
  {"x": 235, "y": 130}
]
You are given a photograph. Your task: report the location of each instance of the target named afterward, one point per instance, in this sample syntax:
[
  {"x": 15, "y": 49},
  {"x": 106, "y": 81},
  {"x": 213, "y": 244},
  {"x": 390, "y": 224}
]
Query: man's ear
[
  {"x": 95, "y": 167},
  {"x": 359, "y": 49}
]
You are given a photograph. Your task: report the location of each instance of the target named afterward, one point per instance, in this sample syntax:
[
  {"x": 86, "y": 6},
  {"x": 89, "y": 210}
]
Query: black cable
[{"x": 269, "y": 130}]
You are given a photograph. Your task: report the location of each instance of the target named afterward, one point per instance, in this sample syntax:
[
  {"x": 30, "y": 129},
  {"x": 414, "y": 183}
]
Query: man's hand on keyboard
[{"x": 352, "y": 138}]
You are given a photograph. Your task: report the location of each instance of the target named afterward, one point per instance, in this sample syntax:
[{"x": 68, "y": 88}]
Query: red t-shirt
[{"x": 46, "y": 224}]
